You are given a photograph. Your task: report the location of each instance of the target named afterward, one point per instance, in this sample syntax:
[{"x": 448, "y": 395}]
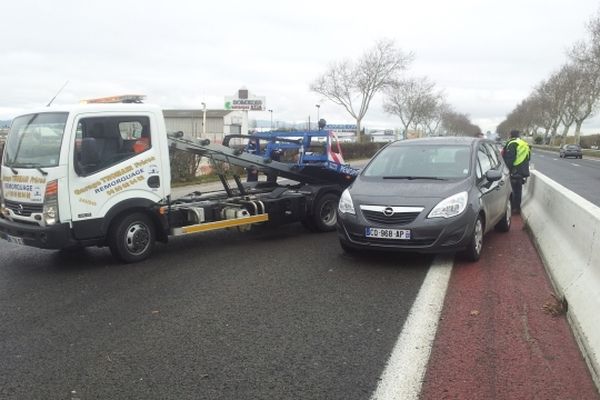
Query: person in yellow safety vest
[{"x": 516, "y": 154}]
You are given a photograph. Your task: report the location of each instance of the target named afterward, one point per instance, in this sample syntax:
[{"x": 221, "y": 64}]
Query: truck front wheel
[{"x": 131, "y": 238}]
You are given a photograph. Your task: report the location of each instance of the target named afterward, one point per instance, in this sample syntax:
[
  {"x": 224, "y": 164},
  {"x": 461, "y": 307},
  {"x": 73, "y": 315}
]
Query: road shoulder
[{"x": 498, "y": 337}]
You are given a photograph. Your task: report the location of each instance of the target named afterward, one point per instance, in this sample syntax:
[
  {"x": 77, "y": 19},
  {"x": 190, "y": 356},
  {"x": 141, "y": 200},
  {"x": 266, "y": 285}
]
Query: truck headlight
[
  {"x": 2, "y": 205},
  {"x": 450, "y": 206},
  {"x": 51, "y": 203},
  {"x": 51, "y": 212},
  {"x": 346, "y": 206}
]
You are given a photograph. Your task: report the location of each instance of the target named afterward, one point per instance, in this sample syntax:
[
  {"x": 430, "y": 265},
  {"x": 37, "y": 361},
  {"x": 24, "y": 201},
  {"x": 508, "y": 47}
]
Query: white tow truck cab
[{"x": 98, "y": 174}]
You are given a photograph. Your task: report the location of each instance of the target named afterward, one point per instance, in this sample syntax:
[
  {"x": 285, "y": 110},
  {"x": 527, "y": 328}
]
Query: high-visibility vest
[{"x": 522, "y": 150}]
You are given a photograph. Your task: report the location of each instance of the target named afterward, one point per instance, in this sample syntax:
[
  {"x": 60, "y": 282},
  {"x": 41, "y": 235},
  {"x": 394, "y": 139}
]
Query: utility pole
[
  {"x": 271, "y": 112},
  {"x": 318, "y": 107},
  {"x": 204, "y": 120}
]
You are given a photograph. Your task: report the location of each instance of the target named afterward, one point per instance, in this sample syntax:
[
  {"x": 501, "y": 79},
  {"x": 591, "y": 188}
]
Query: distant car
[
  {"x": 428, "y": 195},
  {"x": 570, "y": 150}
]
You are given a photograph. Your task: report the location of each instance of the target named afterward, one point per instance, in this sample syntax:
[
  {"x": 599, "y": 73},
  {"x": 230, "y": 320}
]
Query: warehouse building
[{"x": 218, "y": 123}]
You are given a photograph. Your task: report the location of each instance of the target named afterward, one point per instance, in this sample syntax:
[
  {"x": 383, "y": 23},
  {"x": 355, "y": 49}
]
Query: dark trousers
[{"x": 517, "y": 188}]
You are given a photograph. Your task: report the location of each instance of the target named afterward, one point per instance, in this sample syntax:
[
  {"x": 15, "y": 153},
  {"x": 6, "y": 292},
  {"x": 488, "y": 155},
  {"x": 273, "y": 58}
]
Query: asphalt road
[
  {"x": 278, "y": 314},
  {"x": 582, "y": 176}
]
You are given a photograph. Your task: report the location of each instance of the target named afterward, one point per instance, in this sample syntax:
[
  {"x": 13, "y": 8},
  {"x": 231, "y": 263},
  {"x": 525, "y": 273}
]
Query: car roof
[{"x": 441, "y": 141}]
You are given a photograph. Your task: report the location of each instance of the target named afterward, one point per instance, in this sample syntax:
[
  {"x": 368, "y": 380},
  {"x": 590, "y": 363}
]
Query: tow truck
[{"x": 98, "y": 174}]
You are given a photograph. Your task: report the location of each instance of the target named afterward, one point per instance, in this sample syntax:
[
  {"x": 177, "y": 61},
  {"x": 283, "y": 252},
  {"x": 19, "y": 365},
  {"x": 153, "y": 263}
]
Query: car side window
[
  {"x": 484, "y": 162},
  {"x": 101, "y": 142},
  {"x": 478, "y": 172},
  {"x": 494, "y": 157}
]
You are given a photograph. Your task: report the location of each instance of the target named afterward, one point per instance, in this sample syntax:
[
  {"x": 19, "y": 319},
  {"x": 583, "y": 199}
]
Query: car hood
[{"x": 398, "y": 192}]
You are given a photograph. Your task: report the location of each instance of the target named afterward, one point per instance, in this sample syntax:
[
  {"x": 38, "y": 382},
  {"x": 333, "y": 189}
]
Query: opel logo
[{"x": 388, "y": 211}]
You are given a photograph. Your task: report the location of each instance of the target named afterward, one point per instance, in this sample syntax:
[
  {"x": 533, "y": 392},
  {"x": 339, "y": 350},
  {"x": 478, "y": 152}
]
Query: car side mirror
[{"x": 493, "y": 175}]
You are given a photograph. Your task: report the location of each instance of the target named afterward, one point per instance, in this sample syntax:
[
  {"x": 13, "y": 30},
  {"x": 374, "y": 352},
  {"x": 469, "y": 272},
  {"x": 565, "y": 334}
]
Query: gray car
[
  {"x": 430, "y": 195},
  {"x": 570, "y": 150}
]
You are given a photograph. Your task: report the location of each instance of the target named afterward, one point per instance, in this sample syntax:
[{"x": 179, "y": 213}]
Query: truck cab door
[{"x": 115, "y": 157}]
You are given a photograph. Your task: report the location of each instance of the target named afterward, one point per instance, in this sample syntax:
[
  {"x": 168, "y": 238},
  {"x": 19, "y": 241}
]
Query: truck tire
[
  {"x": 324, "y": 215},
  {"x": 131, "y": 238}
]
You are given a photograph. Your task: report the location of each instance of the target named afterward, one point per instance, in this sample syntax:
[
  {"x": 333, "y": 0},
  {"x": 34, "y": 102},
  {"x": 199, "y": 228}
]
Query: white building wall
[{"x": 216, "y": 127}]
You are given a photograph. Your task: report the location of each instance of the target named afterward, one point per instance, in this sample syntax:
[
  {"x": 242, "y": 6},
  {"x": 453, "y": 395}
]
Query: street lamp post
[
  {"x": 318, "y": 108},
  {"x": 271, "y": 112},
  {"x": 204, "y": 120}
]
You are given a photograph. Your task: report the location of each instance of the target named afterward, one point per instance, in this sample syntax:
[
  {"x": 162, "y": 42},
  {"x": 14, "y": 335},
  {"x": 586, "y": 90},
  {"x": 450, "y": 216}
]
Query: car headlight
[
  {"x": 346, "y": 206},
  {"x": 450, "y": 207}
]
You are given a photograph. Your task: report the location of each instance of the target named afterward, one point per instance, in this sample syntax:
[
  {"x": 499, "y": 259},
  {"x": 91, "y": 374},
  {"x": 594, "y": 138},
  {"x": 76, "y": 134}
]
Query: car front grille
[
  {"x": 23, "y": 209},
  {"x": 396, "y": 218}
]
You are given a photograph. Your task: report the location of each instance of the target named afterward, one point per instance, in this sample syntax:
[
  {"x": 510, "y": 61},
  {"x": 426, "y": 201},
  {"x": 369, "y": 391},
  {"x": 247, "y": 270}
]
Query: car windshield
[
  {"x": 34, "y": 140},
  {"x": 421, "y": 162},
  {"x": 573, "y": 147}
]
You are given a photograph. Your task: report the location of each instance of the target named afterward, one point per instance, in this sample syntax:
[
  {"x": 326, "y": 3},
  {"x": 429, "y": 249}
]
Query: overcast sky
[{"x": 486, "y": 55}]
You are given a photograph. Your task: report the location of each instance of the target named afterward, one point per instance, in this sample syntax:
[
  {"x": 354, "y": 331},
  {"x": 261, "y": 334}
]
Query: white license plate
[
  {"x": 380, "y": 233},
  {"x": 14, "y": 239}
]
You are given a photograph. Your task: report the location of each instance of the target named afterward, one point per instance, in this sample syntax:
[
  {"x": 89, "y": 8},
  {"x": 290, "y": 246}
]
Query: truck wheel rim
[
  {"x": 327, "y": 214},
  {"x": 137, "y": 239}
]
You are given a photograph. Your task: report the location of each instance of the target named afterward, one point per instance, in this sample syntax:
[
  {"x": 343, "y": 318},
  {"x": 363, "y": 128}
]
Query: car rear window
[
  {"x": 429, "y": 161},
  {"x": 573, "y": 147}
]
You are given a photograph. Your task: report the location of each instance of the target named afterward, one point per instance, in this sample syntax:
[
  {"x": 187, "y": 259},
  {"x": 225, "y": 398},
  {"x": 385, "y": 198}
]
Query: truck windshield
[{"x": 34, "y": 140}]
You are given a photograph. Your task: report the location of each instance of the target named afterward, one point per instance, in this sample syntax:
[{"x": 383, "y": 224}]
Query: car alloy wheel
[
  {"x": 504, "y": 224},
  {"x": 473, "y": 250}
]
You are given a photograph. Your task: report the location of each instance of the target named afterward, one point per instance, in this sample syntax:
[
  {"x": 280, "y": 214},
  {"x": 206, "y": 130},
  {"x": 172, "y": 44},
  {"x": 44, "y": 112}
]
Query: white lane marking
[
  {"x": 555, "y": 159},
  {"x": 575, "y": 165},
  {"x": 405, "y": 369}
]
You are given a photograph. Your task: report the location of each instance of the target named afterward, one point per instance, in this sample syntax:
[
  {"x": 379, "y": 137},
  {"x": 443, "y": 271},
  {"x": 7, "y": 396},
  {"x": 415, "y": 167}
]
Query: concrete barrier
[{"x": 566, "y": 229}]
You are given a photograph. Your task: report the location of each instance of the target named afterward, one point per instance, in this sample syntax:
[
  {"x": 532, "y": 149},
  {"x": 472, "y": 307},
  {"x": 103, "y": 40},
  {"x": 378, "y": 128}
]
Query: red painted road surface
[{"x": 495, "y": 341}]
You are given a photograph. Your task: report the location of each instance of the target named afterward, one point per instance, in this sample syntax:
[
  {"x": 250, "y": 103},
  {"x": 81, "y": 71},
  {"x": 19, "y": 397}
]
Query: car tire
[
  {"x": 504, "y": 224},
  {"x": 131, "y": 238},
  {"x": 324, "y": 217},
  {"x": 473, "y": 250}
]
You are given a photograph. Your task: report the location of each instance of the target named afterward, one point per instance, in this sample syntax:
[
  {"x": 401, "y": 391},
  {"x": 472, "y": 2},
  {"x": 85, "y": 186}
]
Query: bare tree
[
  {"x": 411, "y": 100},
  {"x": 353, "y": 85},
  {"x": 553, "y": 93},
  {"x": 431, "y": 117},
  {"x": 584, "y": 102},
  {"x": 433, "y": 123},
  {"x": 588, "y": 52},
  {"x": 456, "y": 124},
  {"x": 586, "y": 57},
  {"x": 569, "y": 96}
]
